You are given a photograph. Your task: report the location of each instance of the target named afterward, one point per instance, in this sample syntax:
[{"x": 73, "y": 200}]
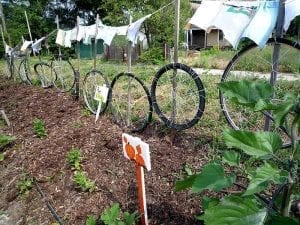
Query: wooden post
[
  {"x": 78, "y": 45},
  {"x": 29, "y": 31},
  {"x": 128, "y": 111},
  {"x": 4, "y": 23},
  {"x": 57, "y": 26},
  {"x": 176, "y": 42},
  {"x": 95, "y": 44}
]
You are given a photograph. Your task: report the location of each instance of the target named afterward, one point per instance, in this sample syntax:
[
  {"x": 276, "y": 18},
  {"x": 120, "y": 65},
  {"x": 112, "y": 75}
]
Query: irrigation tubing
[{"x": 50, "y": 207}]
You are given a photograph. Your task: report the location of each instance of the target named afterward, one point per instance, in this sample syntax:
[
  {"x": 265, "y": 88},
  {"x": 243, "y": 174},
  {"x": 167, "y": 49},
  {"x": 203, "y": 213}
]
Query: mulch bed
[{"x": 100, "y": 144}]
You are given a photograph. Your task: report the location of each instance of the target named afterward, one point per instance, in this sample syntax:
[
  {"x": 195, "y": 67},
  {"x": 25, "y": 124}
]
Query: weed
[
  {"x": 114, "y": 215},
  {"x": 6, "y": 140},
  {"x": 85, "y": 112},
  {"x": 1, "y": 157},
  {"x": 39, "y": 128},
  {"x": 83, "y": 182},
  {"x": 24, "y": 185},
  {"x": 74, "y": 158},
  {"x": 77, "y": 125},
  {"x": 91, "y": 220}
]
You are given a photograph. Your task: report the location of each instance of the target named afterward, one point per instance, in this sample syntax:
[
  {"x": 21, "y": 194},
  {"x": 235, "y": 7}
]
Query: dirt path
[{"x": 68, "y": 126}]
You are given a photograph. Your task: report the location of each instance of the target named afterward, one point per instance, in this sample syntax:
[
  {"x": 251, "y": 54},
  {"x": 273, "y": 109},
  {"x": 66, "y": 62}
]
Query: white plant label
[{"x": 101, "y": 94}]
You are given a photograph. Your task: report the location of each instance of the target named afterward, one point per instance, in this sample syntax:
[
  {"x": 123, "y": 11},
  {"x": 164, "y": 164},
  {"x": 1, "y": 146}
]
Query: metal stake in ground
[
  {"x": 138, "y": 151},
  {"x": 275, "y": 56}
]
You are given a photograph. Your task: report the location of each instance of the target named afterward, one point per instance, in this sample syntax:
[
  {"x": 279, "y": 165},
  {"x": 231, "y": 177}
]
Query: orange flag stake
[{"x": 138, "y": 151}]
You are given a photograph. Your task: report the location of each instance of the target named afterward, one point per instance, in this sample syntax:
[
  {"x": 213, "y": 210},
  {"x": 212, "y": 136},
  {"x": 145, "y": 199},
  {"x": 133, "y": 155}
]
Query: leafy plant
[
  {"x": 270, "y": 177},
  {"x": 6, "y": 140},
  {"x": 91, "y": 220},
  {"x": 24, "y": 185},
  {"x": 83, "y": 182},
  {"x": 39, "y": 128},
  {"x": 1, "y": 157},
  {"x": 74, "y": 158},
  {"x": 114, "y": 216}
]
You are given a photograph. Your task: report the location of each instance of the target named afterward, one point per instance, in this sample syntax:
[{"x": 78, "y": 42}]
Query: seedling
[
  {"x": 74, "y": 158},
  {"x": 114, "y": 215},
  {"x": 6, "y": 140},
  {"x": 1, "y": 157},
  {"x": 39, "y": 128},
  {"x": 83, "y": 182},
  {"x": 91, "y": 220},
  {"x": 24, "y": 185}
]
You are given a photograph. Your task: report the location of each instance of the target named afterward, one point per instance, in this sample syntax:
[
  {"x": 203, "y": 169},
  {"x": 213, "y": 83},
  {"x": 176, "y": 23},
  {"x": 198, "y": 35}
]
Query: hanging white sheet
[
  {"x": 292, "y": 9},
  {"x": 37, "y": 45},
  {"x": 237, "y": 19},
  {"x": 133, "y": 29},
  {"x": 261, "y": 26},
  {"x": 25, "y": 45}
]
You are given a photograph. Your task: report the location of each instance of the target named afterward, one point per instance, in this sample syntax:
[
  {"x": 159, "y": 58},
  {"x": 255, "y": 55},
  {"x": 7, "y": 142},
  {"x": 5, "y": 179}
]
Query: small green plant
[
  {"x": 114, "y": 216},
  {"x": 6, "y": 140},
  {"x": 39, "y": 128},
  {"x": 91, "y": 220},
  {"x": 83, "y": 182},
  {"x": 266, "y": 174},
  {"x": 74, "y": 158},
  {"x": 1, "y": 157},
  {"x": 24, "y": 185},
  {"x": 86, "y": 112}
]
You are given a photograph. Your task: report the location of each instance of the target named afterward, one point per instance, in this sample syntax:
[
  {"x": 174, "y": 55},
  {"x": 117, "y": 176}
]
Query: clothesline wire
[{"x": 162, "y": 8}]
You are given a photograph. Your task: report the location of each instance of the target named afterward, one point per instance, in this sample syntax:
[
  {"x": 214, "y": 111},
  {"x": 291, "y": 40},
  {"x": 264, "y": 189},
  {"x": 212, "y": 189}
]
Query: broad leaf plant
[{"x": 265, "y": 175}]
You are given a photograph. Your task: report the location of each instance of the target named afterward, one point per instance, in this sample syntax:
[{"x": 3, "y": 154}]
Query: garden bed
[{"x": 69, "y": 125}]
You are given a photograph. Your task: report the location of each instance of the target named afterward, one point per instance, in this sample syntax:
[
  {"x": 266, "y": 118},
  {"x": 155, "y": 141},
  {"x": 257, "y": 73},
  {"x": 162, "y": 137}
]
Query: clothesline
[{"x": 104, "y": 32}]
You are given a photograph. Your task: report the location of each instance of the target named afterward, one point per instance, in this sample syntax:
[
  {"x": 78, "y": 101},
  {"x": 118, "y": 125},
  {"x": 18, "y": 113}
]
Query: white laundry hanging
[
  {"x": 261, "y": 26},
  {"x": 25, "y": 45},
  {"x": 133, "y": 29},
  {"x": 37, "y": 45},
  {"x": 107, "y": 33},
  {"x": 292, "y": 9},
  {"x": 60, "y": 37}
]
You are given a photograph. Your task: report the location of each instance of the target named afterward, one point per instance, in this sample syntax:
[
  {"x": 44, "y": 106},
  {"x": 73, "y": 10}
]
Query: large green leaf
[
  {"x": 232, "y": 158},
  {"x": 262, "y": 177},
  {"x": 281, "y": 220},
  {"x": 256, "y": 144},
  {"x": 186, "y": 183},
  {"x": 212, "y": 177},
  {"x": 281, "y": 110},
  {"x": 247, "y": 93},
  {"x": 235, "y": 210}
]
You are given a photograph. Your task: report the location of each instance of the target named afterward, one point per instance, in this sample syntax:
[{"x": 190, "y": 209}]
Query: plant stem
[{"x": 285, "y": 206}]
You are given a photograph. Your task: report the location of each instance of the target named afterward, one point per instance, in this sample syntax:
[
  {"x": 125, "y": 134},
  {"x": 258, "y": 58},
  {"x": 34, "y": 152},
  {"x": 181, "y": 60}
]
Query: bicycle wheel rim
[
  {"x": 93, "y": 79},
  {"x": 181, "y": 107},
  {"x": 65, "y": 75},
  {"x": 24, "y": 72},
  {"x": 139, "y": 115},
  {"x": 8, "y": 68},
  {"x": 239, "y": 117},
  {"x": 45, "y": 74}
]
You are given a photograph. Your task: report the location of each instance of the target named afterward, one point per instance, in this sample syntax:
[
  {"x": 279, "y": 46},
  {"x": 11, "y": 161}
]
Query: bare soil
[{"x": 67, "y": 126}]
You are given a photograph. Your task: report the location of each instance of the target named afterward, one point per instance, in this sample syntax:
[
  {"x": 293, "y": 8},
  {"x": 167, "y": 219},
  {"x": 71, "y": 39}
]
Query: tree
[{"x": 157, "y": 32}]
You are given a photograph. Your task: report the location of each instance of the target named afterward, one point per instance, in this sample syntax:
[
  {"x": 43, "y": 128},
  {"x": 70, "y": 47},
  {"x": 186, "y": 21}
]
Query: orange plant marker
[
  {"x": 138, "y": 151},
  {"x": 141, "y": 194}
]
